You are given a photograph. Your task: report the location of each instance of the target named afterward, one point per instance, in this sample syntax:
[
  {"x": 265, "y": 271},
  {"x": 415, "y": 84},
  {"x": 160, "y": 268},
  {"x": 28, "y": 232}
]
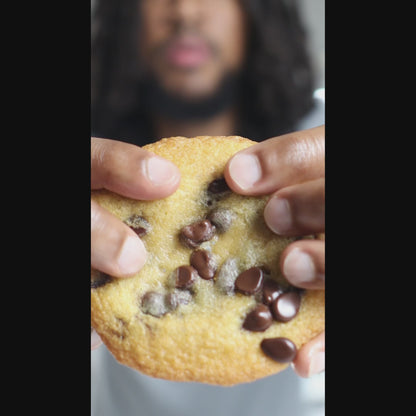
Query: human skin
[
  {"x": 132, "y": 172},
  {"x": 290, "y": 168},
  {"x": 189, "y": 45}
]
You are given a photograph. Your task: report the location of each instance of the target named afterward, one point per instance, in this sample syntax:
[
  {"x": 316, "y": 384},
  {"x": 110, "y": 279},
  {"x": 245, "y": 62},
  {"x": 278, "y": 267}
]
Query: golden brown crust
[{"x": 202, "y": 340}]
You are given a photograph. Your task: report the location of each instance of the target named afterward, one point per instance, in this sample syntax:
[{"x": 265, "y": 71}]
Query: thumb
[{"x": 115, "y": 248}]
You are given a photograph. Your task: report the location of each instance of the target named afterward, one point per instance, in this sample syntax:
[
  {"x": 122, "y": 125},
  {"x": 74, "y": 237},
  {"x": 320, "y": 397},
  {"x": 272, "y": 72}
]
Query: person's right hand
[{"x": 135, "y": 173}]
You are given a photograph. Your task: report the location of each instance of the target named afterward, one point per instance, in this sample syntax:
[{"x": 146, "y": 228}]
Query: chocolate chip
[
  {"x": 138, "y": 224},
  {"x": 184, "y": 277},
  {"x": 141, "y": 232},
  {"x": 280, "y": 349},
  {"x": 259, "y": 319},
  {"x": 271, "y": 290},
  {"x": 218, "y": 186},
  {"x": 204, "y": 263},
  {"x": 99, "y": 279},
  {"x": 154, "y": 303},
  {"x": 217, "y": 190},
  {"x": 158, "y": 304},
  {"x": 286, "y": 306},
  {"x": 266, "y": 271},
  {"x": 300, "y": 290},
  {"x": 195, "y": 234},
  {"x": 176, "y": 298},
  {"x": 250, "y": 281},
  {"x": 221, "y": 218},
  {"x": 226, "y": 276}
]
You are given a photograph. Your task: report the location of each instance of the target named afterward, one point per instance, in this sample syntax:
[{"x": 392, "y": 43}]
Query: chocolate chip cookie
[{"x": 211, "y": 304}]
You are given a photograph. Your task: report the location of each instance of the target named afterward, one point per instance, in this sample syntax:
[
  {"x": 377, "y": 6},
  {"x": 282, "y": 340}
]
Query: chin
[
  {"x": 192, "y": 87},
  {"x": 189, "y": 98}
]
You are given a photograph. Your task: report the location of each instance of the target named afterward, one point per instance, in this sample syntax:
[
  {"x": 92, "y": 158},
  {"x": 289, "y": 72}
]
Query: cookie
[{"x": 211, "y": 304}]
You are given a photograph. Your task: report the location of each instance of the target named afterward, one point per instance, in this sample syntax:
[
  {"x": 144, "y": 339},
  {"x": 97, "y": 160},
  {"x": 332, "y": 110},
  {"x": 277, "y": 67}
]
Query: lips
[{"x": 188, "y": 52}]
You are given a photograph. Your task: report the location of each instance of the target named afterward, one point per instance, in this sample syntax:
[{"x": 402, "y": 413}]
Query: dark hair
[{"x": 278, "y": 78}]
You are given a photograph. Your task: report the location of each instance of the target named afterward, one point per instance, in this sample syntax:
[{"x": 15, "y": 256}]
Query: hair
[{"x": 277, "y": 76}]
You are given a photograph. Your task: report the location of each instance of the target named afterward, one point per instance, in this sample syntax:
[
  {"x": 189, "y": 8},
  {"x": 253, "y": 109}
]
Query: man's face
[{"x": 189, "y": 46}]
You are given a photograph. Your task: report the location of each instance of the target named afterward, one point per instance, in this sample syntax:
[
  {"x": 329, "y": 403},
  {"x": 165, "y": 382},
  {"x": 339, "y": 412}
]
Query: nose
[{"x": 187, "y": 10}]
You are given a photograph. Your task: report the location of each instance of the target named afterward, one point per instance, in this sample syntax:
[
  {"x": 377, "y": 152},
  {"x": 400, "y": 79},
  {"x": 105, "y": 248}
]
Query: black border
[{"x": 46, "y": 92}]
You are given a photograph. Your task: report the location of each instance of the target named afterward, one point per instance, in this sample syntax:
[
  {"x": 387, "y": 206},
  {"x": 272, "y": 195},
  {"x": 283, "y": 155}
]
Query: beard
[{"x": 158, "y": 100}]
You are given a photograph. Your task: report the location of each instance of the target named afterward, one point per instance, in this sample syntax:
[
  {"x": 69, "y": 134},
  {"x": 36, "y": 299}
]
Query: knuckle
[
  {"x": 99, "y": 151},
  {"x": 103, "y": 160},
  {"x": 304, "y": 152}
]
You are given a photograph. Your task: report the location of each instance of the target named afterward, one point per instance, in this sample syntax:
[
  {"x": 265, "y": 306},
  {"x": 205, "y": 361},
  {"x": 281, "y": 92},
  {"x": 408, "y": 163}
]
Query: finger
[
  {"x": 310, "y": 359},
  {"x": 95, "y": 339},
  {"x": 278, "y": 162},
  {"x": 303, "y": 264},
  {"x": 131, "y": 171},
  {"x": 115, "y": 248},
  {"x": 297, "y": 209}
]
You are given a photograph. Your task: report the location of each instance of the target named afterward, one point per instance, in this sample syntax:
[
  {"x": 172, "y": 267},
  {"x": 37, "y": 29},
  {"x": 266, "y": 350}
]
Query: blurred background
[{"x": 313, "y": 13}]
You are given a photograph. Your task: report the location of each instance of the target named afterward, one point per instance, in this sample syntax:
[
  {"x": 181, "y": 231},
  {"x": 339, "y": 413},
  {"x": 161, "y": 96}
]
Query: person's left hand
[{"x": 292, "y": 169}]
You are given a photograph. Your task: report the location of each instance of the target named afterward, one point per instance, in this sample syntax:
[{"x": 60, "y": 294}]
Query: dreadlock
[{"x": 278, "y": 78}]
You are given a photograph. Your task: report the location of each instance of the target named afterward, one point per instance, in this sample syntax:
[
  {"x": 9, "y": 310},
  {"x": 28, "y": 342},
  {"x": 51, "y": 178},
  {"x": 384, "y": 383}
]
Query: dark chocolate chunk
[
  {"x": 259, "y": 319},
  {"x": 266, "y": 271},
  {"x": 281, "y": 349},
  {"x": 300, "y": 290},
  {"x": 218, "y": 186},
  {"x": 140, "y": 231},
  {"x": 195, "y": 234},
  {"x": 99, "y": 279},
  {"x": 271, "y": 291},
  {"x": 154, "y": 303},
  {"x": 226, "y": 276},
  {"x": 184, "y": 277},
  {"x": 221, "y": 218},
  {"x": 217, "y": 190},
  {"x": 250, "y": 281},
  {"x": 138, "y": 224},
  {"x": 204, "y": 263},
  {"x": 286, "y": 306}
]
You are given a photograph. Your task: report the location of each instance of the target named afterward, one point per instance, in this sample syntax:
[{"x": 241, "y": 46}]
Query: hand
[
  {"x": 292, "y": 169},
  {"x": 135, "y": 173}
]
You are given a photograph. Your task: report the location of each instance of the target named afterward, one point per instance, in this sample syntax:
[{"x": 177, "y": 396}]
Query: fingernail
[
  {"x": 160, "y": 171},
  {"x": 317, "y": 363},
  {"x": 245, "y": 170},
  {"x": 299, "y": 268},
  {"x": 278, "y": 216},
  {"x": 132, "y": 256}
]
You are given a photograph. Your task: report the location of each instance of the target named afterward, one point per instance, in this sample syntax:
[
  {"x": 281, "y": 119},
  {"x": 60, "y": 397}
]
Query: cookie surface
[{"x": 210, "y": 305}]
